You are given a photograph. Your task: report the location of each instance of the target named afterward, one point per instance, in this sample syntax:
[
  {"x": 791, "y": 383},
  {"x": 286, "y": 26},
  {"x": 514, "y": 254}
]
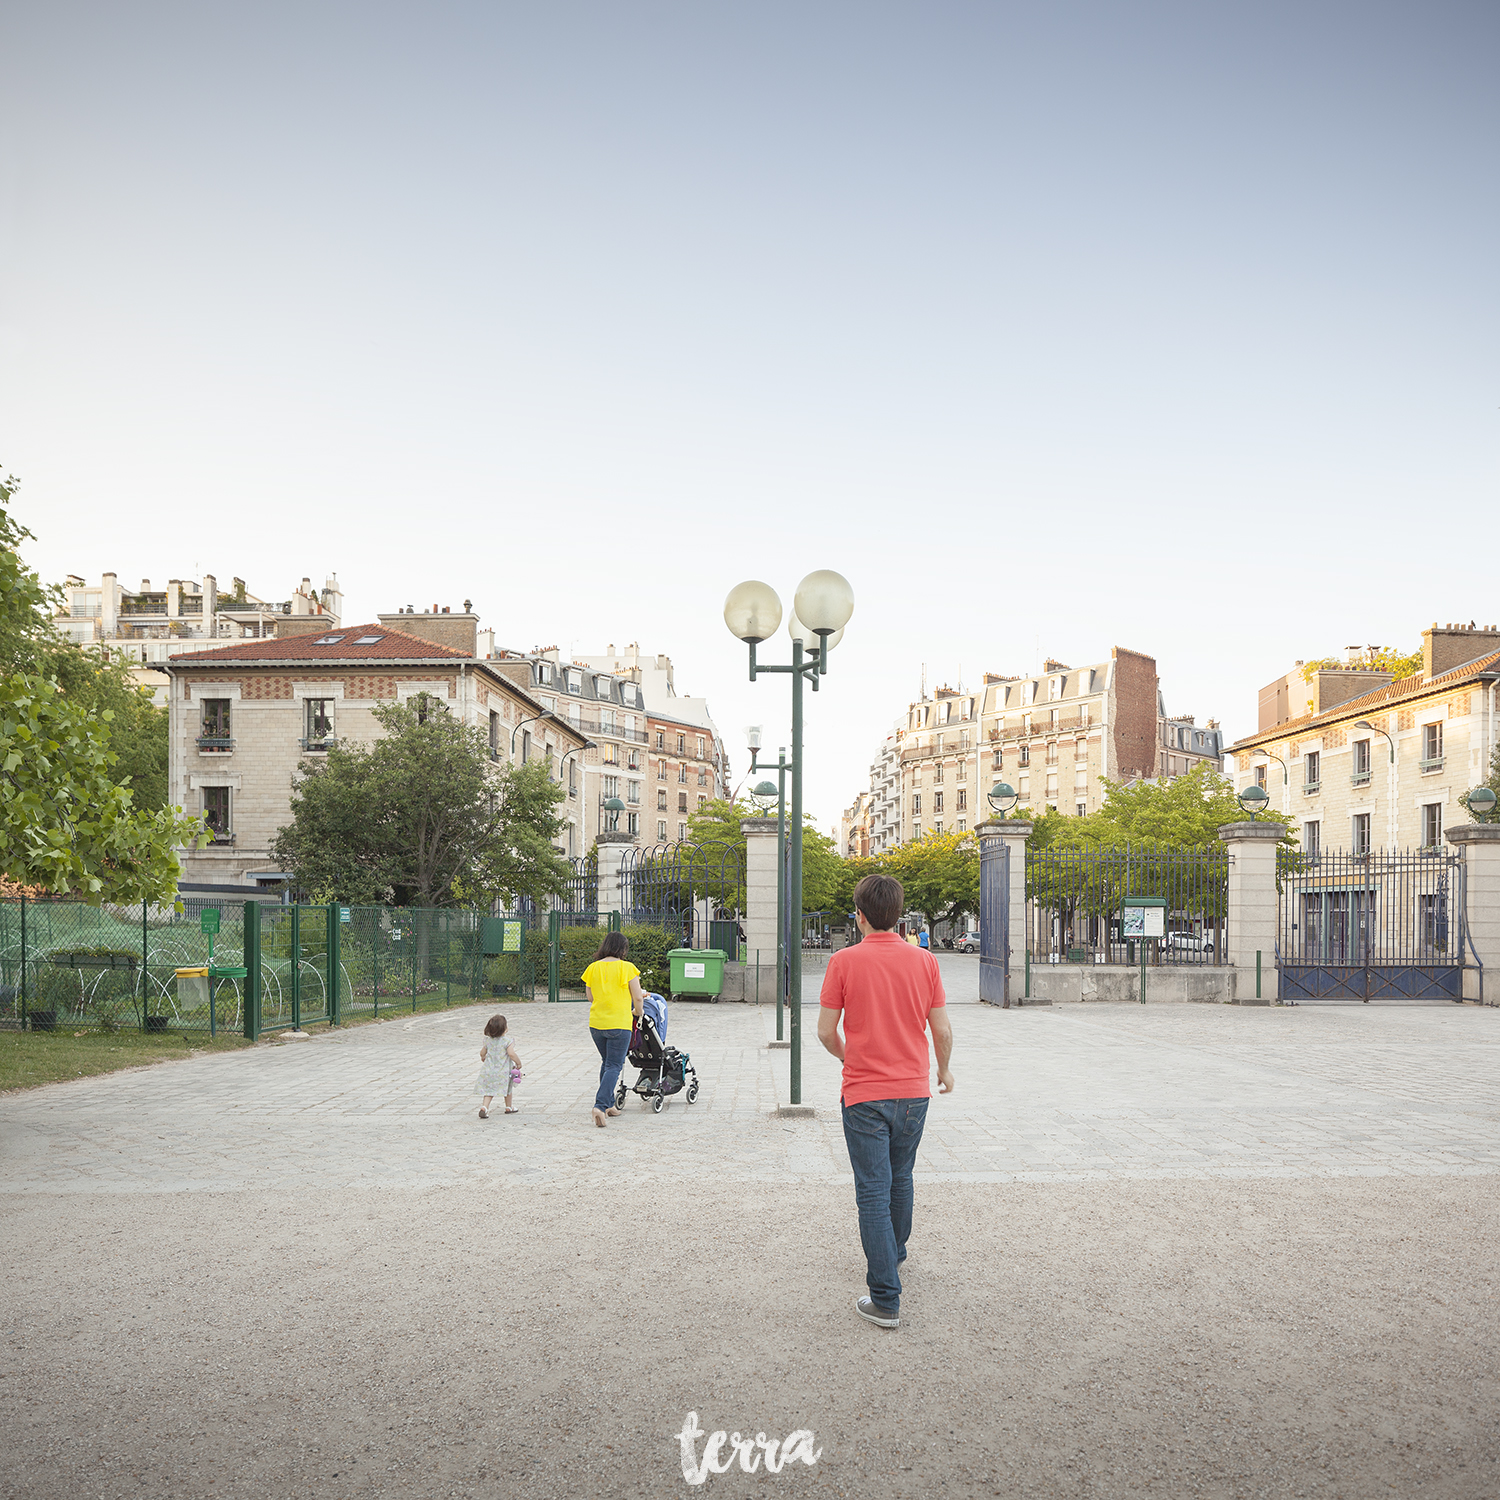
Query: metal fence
[
  {"x": 1074, "y": 898},
  {"x": 262, "y": 967},
  {"x": 1382, "y": 907}
]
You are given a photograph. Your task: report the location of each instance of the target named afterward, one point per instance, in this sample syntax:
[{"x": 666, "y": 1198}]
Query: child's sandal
[
  {"x": 515, "y": 1111},
  {"x": 484, "y": 1114}
]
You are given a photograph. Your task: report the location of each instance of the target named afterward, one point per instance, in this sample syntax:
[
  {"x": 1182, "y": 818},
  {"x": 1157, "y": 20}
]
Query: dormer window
[
  {"x": 575, "y": 681},
  {"x": 1056, "y": 687}
]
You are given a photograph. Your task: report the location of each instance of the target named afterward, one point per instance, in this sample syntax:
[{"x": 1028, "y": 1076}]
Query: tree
[
  {"x": 66, "y": 822},
  {"x": 82, "y": 757},
  {"x": 423, "y": 817},
  {"x": 940, "y": 873},
  {"x": 1186, "y": 812},
  {"x": 1492, "y": 781}
]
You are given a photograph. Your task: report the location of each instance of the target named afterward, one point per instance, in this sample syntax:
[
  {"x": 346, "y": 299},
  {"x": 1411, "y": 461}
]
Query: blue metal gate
[{"x": 994, "y": 922}]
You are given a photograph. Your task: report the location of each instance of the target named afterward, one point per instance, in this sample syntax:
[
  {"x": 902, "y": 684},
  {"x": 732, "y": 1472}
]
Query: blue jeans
[
  {"x": 613, "y": 1047},
  {"x": 883, "y": 1136}
]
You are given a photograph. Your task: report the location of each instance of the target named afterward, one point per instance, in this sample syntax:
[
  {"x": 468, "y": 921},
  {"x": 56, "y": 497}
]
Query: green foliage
[
  {"x": 1382, "y": 659},
  {"x": 649, "y": 947},
  {"x": 1185, "y": 812},
  {"x": 940, "y": 873},
  {"x": 26, "y": 603},
  {"x": 423, "y": 817},
  {"x": 66, "y": 823}
]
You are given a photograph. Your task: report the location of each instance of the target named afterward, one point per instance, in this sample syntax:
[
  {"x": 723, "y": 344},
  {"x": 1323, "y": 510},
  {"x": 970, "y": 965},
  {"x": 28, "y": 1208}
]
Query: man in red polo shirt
[{"x": 888, "y": 993}]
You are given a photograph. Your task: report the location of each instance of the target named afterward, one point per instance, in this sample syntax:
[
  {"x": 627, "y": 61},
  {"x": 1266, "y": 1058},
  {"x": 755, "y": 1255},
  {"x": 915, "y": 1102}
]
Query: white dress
[{"x": 494, "y": 1071}]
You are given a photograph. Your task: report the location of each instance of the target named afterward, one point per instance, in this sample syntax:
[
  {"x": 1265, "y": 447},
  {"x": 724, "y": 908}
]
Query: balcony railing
[
  {"x": 328, "y": 741},
  {"x": 1309, "y": 787},
  {"x": 1360, "y": 778},
  {"x": 1435, "y": 764},
  {"x": 596, "y": 726},
  {"x": 219, "y": 743},
  {"x": 220, "y": 836}
]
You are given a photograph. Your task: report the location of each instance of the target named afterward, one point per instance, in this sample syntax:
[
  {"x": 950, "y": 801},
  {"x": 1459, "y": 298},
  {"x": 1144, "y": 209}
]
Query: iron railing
[
  {"x": 1074, "y": 900},
  {"x": 1379, "y": 907}
]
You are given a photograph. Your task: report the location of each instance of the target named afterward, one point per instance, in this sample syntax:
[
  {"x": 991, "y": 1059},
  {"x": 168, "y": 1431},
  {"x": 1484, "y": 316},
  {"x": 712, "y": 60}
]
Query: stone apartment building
[
  {"x": 853, "y": 833},
  {"x": 1363, "y": 762},
  {"x": 659, "y": 753},
  {"x": 1051, "y": 737},
  {"x": 245, "y": 717},
  {"x": 145, "y": 626},
  {"x": 885, "y": 815},
  {"x": 1054, "y": 735}
]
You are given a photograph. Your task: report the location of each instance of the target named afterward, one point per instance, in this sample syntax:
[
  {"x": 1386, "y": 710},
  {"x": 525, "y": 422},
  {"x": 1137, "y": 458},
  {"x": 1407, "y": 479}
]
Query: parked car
[
  {"x": 967, "y": 942},
  {"x": 1191, "y": 942}
]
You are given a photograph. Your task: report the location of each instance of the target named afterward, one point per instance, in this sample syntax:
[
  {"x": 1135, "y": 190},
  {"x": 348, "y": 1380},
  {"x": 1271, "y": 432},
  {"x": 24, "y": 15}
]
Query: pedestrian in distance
[
  {"x": 923, "y": 940},
  {"x": 499, "y": 1063},
  {"x": 613, "y": 985},
  {"x": 888, "y": 994}
]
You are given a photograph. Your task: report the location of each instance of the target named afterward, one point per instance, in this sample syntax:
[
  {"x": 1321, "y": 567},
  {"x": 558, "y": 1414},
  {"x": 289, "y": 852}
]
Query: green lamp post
[
  {"x": 1482, "y": 803},
  {"x": 1002, "y": 797},
  {"x": 614, "y": 807},
  {"x": 1253, "y": 800},
  {"x": 823, "y": 605}
]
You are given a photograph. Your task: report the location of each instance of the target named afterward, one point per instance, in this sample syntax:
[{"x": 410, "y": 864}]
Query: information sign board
[{"x": 208, "y": 920}]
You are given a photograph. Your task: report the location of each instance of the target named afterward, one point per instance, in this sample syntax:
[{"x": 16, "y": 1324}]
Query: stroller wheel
[
  {"x": 620, "y": 1094},
  {"x": 692, "y": 1091},
  {"x": 657, "y": 1103}
]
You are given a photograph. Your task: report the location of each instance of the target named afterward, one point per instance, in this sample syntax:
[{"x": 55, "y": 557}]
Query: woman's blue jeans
[
  {"x": 883, "y": 1136},
  {"x": 613, "y": 1047}
]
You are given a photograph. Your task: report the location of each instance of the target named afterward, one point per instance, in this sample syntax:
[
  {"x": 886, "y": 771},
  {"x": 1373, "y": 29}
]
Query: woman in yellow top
[{"x": 615, "y": 1000}]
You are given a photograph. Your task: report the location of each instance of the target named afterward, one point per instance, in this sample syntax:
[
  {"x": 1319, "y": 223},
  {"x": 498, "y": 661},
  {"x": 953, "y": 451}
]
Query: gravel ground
[{"x": 1120, "y": 1338}]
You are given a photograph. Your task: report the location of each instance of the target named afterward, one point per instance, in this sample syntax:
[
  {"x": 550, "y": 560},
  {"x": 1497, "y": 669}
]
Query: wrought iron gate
[
  {"x": 1371, "y": 926},
  {"x": 994, "y": 922}
]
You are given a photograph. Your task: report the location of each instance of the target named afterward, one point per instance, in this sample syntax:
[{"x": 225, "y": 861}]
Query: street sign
[
  {"x": 343, "y": 914},
  {"x": 208, "y": 920}
]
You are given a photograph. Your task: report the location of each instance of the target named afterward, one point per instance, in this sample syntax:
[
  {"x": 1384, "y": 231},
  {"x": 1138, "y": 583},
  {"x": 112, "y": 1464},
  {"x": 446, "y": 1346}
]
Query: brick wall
[{"x": 1134, "y": 717}]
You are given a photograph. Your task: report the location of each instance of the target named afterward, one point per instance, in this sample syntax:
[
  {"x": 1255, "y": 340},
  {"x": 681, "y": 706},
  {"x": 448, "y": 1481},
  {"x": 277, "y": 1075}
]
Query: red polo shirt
[{"x": 885, "y": 987}]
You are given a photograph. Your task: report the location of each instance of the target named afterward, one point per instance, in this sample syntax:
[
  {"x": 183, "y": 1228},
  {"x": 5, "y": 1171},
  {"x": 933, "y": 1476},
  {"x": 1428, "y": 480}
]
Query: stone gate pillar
[
  {"x": 1250, "y": 925},
  {"x": 612, "y": 845},
  {"x": 1480, "y": 843},
  {"x": 995, "y": 834},
  {"x": 760, "y": 891}
]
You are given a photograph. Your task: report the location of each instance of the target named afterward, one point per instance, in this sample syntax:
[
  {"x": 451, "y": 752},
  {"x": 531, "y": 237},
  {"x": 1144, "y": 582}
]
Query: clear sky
[{"x": 1053, "y": 327}]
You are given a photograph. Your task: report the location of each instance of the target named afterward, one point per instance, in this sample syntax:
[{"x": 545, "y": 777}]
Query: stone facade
[
  {"x": 1395, "y": 784},
  {"x": 244, "y": 721}
]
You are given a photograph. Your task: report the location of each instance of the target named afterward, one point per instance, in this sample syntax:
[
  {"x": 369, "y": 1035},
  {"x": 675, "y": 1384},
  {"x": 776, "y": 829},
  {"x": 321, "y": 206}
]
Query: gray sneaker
[{"x": 881, "y": 1317}]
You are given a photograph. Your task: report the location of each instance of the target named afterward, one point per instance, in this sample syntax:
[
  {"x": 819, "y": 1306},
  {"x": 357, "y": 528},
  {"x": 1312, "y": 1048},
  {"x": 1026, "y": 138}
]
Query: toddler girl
[{"x": 499, "y": 1063}]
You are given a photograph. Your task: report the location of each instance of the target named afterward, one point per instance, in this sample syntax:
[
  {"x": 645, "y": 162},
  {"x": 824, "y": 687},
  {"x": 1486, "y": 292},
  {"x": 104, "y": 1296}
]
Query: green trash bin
[{"x": 697, "y": 971}]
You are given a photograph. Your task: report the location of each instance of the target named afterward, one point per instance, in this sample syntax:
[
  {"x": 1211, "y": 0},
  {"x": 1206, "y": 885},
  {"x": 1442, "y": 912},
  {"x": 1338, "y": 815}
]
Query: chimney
[
  {"x": 1444, "y": 648},
  {"x": 145, "y": 585},
  {"x": 457, "y": 632}
]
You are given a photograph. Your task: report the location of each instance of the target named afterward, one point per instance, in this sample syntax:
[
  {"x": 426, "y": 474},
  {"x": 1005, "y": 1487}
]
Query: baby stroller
[{"x": 664, "y": 1070}]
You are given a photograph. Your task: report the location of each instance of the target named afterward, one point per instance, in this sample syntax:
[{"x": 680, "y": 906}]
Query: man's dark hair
[
  {"x": 615, "y": 945},
  {"x": 495, "y": 1026},
  {"x": 882, "y": 899}
]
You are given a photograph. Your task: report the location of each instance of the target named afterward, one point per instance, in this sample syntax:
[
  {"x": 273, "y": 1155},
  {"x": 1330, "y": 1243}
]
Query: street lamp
[
  {"x": 614, "y": 807},
  {"x": 1254, "y": 799},
  {"x": 1481, "y": 803},
  {"x": 1366, "y": 724},
  {"x": 1002, "y": 797},
  {"x": 822, "y": 606},
  {"x": 764, "y": 795}
]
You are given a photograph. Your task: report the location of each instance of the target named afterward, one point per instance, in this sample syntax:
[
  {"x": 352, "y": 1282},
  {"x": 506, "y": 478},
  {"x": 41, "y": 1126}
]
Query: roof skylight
[
  {"x": 328, "y": 640},
  {"x": 368, "y": 640}
]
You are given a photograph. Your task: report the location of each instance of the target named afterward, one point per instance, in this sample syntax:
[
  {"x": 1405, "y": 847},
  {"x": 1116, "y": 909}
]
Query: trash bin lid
[
  {"x": 698, "y": 953},
  {"x": 192, "y": 973}
]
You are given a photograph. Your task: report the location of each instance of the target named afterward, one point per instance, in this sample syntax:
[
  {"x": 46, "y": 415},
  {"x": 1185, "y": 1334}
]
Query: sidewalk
[{"x": 1156, "y": 1253}]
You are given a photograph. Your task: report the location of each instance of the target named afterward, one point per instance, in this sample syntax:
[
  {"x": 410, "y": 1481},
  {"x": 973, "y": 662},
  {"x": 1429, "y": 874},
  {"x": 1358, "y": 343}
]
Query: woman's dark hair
[
  {"x": 881, "y": 898},
  {"x": 615, "y": 945},
  {"x": 495, "y": 1026}
]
